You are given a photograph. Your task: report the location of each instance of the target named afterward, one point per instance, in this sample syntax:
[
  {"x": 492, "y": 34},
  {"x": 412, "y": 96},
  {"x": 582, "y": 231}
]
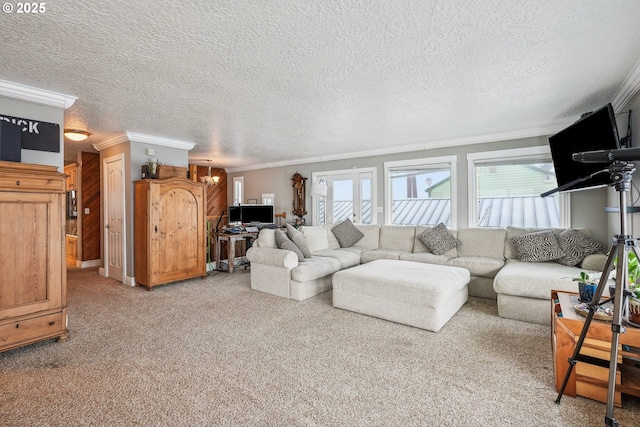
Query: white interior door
[{"x": 114, "y": 249}]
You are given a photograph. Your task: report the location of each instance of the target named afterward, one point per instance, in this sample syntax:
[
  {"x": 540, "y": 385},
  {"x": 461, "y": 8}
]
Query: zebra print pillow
[
  {"x": 438, "y": 239},
  {"x": 576, "y": 246},
  {"x": 538, "y": 247}
]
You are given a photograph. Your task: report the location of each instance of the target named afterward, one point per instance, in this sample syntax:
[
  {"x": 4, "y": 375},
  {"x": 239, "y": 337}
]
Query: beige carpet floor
[{"x": 214, "y": 353}]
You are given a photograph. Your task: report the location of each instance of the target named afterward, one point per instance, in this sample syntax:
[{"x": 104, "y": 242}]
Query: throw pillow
[
  {"x": 299, "y": 240},
  {"x": 438, "y": 239},
  {"x": 576, "y": 246},
  {"x": 347, "y": 234},
  {"x": 538, "y": 247},
  {"x": 285, "y": 243}
]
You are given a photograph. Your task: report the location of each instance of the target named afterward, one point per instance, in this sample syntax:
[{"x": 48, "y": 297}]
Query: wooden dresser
[
  {"x": 169, "y": 230},
  {"x": 33, "y": 275}
]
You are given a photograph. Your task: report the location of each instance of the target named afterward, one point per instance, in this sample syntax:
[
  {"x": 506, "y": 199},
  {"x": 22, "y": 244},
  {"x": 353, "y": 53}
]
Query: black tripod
[{"x": 621, "y": 177}]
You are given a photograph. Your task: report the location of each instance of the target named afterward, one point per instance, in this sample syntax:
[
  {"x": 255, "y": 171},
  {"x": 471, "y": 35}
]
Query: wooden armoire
[
  {"x": 169, "y": 230},
  {"x": 33, "y": 274}
]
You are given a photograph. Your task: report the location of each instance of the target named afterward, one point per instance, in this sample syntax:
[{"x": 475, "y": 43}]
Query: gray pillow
[
  {"x": 438, "y": 239},
  {"x": 538, "y": 247},
  {"x": 299, "y": 240},
  {"x": 285, "y": 243},
  {"x": 576, "y": 246},
  {"x": 347, "y": 233}
]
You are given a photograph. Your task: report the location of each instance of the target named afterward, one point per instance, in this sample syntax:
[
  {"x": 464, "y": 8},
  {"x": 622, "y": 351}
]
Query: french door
[{"x": 350, "y": 195}]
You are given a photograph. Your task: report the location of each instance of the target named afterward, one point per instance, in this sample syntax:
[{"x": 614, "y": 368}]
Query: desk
[{"x": 231, "y": 239}]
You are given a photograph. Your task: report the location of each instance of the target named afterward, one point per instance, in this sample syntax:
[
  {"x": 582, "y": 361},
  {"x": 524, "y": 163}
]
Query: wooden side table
[
  {"x": 590, "y": 376},
  {"x": 230, "y": 239}
]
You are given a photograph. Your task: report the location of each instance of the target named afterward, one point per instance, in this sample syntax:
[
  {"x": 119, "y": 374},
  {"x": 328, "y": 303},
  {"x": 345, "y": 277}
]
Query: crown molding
[
  {"x": 35, "y": 95},
  {"x": 628, "y": 89},
  {"x": 157, "y": 140},
  {"x": 427, "y": 145},
  {"x": 111, "y": 141}
]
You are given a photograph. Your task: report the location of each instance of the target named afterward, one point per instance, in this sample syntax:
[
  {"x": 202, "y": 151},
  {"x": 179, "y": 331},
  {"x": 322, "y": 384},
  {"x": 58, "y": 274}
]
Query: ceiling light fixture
[
  {"x": 76, "y": 135},
  {"x": 210, "y": 180}
]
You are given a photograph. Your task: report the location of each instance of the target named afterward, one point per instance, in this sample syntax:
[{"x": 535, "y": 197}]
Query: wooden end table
[{"x": 590, "y": 376}]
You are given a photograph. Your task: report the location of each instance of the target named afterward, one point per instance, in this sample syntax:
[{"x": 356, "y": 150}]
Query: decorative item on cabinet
[
  {"x": 35, "y": 283},
  {"x": 169, "y": 231},
  {"x": 299, "y": 184}
]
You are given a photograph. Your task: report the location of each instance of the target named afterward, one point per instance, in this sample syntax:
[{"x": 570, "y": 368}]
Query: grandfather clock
[{"x": 299, "y": 184}]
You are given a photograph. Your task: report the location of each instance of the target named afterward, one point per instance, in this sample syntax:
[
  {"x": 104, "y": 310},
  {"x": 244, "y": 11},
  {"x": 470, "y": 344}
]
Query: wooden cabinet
[
  {"x": 72, "y": 179},
  {"x": 169, "y": 230},
  {"x": 33, "y": 275},
  {"x": 590, "y": 376},
  {"x": 72, "y": 247}
]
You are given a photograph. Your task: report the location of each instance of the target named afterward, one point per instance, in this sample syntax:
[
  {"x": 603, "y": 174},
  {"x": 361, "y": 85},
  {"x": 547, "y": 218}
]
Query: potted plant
[
  {"x": 633, "y": 274},
  {"x": 587, "y": 284},
  {"x": 634, "y": 305}
]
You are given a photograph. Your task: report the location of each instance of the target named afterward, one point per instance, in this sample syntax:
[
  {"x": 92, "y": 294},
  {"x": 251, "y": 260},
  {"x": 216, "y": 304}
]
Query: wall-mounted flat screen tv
[
  {"x": 248, "y": 214},
  {"x": 596, "y": 131}
]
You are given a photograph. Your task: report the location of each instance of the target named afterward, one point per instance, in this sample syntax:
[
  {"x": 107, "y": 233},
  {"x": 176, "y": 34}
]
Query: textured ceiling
[{"x": 273, "y": 82}]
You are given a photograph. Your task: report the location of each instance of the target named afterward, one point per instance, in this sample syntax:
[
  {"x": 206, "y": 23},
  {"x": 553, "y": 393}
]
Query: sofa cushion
[
  {"x": 540, "y": 246},
  {"x": 576, "y": 246},
  {"x": 299, "y": 240},
  {"x": 426, "y": 257},
  {"x": 267, "y": 238},
  {"x": 369, "y": 256},
  {"x": 315, "y": 268},
  {"x": 316, "y": 236},
  {"x": 397, "y": 237},
  {"x": 371, "y": 239},
  {"x": 481, "y": 242},
  {"x": 478, "y": 266},
  {"x": 419, "y": 247},
  {"x": 347, "y": 233},
  {"x": 438, "y": 239},
  {"x": 535, "y": 279},
  {"x": 510, "y": 251},
  {"x": 284, "y": 242},
  {"x": 347, "y": 257}
]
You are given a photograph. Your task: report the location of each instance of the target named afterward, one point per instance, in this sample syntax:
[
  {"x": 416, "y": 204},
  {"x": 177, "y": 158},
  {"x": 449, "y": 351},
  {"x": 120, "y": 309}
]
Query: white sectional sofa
[{"x": 522, "y": 289}]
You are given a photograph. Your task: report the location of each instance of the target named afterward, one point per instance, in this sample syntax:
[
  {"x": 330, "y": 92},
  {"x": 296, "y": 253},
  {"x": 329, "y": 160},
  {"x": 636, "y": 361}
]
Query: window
[
  {"x": 350, "y": 194},
  {"x": 505, "y": 188},
  {"x": 238, "y": 190},
  {"x": 421, "y": 191}
]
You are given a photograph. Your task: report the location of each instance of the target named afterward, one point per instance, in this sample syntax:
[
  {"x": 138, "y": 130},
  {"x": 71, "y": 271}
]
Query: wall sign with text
[{"x": 36, "y": 135}]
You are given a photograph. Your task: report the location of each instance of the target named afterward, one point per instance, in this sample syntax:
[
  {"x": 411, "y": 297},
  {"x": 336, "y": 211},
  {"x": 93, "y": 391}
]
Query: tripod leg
[
  {"x": 624, "y": 244},
  {"x": 583, "y": 334}
]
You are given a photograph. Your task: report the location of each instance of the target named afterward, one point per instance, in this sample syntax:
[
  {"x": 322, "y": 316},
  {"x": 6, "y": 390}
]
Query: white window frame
[
  {"x": 506, "y": 155},
  {"x": 238, "y": 190},
  {"x": 427, "y": 162},
  {"x": 355, "y": 174}
]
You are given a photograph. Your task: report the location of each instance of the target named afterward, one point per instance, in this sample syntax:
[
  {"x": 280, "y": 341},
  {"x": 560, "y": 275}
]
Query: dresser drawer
[
  {"x": 27, "y": 183},
  {"x": 36, "y": 328}
]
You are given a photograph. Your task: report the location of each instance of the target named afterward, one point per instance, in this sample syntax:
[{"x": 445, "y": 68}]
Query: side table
[{"x": 590, "y": 376}]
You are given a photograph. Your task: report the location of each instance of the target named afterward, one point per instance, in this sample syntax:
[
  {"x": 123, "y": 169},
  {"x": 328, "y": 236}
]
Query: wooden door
[
  {"x": 114, "y": 241},
  {"x": 32, "y": 264}
]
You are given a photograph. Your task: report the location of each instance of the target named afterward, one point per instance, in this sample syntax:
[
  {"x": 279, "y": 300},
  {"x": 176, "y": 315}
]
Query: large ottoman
[{"x": 422, "y": 295}]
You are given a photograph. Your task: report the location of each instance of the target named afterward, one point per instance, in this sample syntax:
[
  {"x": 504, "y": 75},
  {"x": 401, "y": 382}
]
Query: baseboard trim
[{"x": 88, "y": 264}]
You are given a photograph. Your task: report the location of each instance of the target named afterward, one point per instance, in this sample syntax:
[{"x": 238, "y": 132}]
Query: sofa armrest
[{"x": 272, "y": 256}]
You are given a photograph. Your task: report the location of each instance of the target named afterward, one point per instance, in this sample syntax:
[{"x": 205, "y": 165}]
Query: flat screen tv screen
[
  {"x": 248, "y": 214},
  {"x": 594, "y": 132}
]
